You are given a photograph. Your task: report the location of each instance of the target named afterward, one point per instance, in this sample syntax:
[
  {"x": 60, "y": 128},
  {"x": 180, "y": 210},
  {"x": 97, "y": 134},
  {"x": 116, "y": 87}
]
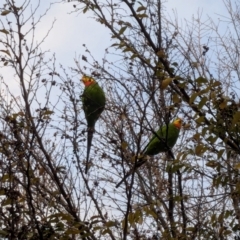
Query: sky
[{"x": 72, "y": 30}]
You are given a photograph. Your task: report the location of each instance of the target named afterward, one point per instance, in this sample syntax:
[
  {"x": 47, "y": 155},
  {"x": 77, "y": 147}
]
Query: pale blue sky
[{"x": 71, "y": 31}]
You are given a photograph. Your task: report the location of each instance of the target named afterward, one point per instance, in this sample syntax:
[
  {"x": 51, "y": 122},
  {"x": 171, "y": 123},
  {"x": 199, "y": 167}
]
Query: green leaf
[
  {"x": 213, "y": 218},
  {"x": 220, "y": 217},
  {"x": 106, "y": 231},
  {"x": 228, "y": 214},
  {"x": 141, "y": 8},
  {"x": 128, "y": 24},
  {"x": 127, "y": 49},
  {"x": 200, "y": 120},
  {"x": 216, "y": 84},
  {"x": 199, "y": 150},
  {"x": 95, "y": 217},
  {"x": 72, "y": 231},
  {"x": 142, "y": 15},
  {"x": 161, "y": 54},
  {"x": 17, "y": 8},
  {"x": 201, "y": 80},
  {"x": 150, "y": 212},
  {"x": 110, "y": 224},
  {"x": 176, "y": 167},
  {"x": 59, "y": 226},
  {"x": 223, "y": 105},
  {"x": 177, "y": 198},
  {"x": 5, "y": 178},
  {"x": 2, "y": 192},
  {"x": 123, "y": 223},
  {"x": 202, "y": 102},
  {"x": 6, "y": 202},
  {"x": 197, "y": 137},
  {"x": 195, "y": 64},
  {"x": 85, "y": 9},
  {"x": 48, "y": 112},
  {"x": 64, "y": 216},
  {"x": 3, "y": 233},
  {"x": 121, "y": 31},
  {"x": 220, "y": 153},
  {"x": 236, "y": 118},
  {"x": 124, "y": 145},
  {"x": 176, "y": 98},
  {"x": 166, "y": 82},
  {"x": 175, "y": 64},
  {"x": 193, "y": 97},
  {"x": 5, "y": 12},
  {"x": 206, "y": 90},
  {"x": 190, "y": 229},
  {"x": 135, "y": 217},
  {"x": 114, "y": 45},
  {"x": 237, "y": 166},
  {"x": 227, "y": 232},
  {"x": 134, "y": 56},
  {"x": 96, "y": 228},
  {"x": 212, "y": 139},
  {"x": 6, "y": 51},
  {"x": 212, "y": 164},
  {"x": 4, "y": 31}
]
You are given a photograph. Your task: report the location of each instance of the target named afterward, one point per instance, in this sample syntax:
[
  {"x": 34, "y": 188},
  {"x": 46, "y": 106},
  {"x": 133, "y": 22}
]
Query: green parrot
[
  {"x": 162, "y": 141},
  {"x": 93, "y": 100}
]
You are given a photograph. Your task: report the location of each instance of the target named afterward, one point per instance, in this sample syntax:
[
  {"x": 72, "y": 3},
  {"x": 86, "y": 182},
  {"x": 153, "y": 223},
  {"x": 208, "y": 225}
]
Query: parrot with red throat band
[
  {"x": 162, "y": 141},
  {"x": 93, "y": 100}
]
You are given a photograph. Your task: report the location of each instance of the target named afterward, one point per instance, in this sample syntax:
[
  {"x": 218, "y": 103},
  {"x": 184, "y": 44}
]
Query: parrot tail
[
  {"x": 89, "y": 144},
  {"x": 136, "y": 166}
]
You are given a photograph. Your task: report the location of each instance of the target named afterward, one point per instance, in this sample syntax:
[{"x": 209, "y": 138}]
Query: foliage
[{"x": 153, "y": 71}]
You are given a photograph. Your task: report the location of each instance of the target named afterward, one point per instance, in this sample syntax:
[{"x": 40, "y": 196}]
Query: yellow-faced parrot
[
  {"x": 93, "y": 100},
  {"x": 162, "y": 141}
]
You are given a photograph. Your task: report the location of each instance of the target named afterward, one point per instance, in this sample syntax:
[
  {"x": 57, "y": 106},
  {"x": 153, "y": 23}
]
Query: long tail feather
[
  {"x": 136, "y": 166},
  {"x": 89, "y": 144}
]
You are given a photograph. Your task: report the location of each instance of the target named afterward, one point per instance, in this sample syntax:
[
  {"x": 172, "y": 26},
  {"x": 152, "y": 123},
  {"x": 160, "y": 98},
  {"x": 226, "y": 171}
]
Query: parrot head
[
  {"x": 177, "y": 123},
  {"x": 88, "y": 81}
]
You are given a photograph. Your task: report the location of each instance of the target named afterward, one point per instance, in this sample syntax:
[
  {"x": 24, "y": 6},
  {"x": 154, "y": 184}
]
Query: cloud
[
  {"x": 70, "y": 32},
  {"x": 187, "y": 8},
  {"x": 66, "y": 39}
]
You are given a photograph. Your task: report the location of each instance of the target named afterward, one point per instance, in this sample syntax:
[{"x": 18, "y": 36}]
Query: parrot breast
[{"x": 93, "y": 103}]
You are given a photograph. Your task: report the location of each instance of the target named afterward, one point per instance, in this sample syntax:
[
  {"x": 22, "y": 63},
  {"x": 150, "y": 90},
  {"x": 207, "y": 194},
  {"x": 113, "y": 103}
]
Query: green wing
[
  {"x": 164, "y": 139},
  {"x": 93, "y": 105}
]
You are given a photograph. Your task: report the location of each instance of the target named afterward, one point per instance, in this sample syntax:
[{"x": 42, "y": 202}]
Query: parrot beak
[
  {"x": 87, "y": 81},
  {"x": 178, "y": 123},
  {"x": 84, "y": 79}
]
